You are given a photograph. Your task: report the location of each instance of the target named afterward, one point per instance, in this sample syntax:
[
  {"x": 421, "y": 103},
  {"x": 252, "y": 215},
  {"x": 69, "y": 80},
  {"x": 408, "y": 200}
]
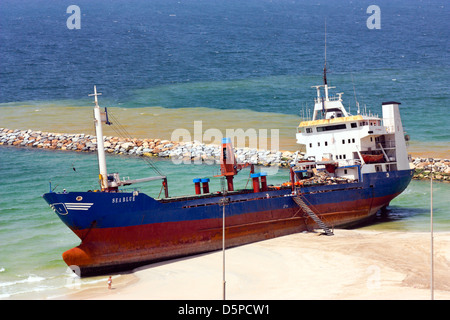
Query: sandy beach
[{"x": 352, "y": 264}]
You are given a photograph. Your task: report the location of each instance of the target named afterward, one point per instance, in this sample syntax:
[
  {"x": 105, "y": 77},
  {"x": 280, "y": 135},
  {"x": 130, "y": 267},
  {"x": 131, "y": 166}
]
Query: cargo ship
[{"x": 354, "y": 165}]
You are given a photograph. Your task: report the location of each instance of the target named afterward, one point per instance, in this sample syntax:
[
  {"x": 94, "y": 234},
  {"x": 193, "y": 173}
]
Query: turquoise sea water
[
  {"x": 204, "y": 56},
  {"x": 33, "y": 238}
]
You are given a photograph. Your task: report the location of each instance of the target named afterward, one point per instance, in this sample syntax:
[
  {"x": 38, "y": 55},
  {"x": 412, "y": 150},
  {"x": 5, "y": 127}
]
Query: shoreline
[
  {"x": 352, "y": 264},
  {"x": 187, "y": 152}
]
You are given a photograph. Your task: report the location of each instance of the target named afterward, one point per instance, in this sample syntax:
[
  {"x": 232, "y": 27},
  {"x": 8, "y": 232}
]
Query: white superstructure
[{"x": 353, "y": 144}]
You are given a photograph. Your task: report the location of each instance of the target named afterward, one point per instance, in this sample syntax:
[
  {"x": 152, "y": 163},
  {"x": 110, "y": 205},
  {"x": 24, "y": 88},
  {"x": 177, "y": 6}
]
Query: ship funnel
[{"x": 393, "y": 123}]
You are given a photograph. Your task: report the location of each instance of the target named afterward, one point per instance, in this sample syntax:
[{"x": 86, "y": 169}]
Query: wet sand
[{"x": 352, "y": 264}]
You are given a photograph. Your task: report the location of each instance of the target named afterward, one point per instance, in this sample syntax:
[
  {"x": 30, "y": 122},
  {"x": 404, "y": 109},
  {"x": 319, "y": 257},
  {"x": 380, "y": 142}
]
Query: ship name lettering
[{"x": 123, "y": 199}]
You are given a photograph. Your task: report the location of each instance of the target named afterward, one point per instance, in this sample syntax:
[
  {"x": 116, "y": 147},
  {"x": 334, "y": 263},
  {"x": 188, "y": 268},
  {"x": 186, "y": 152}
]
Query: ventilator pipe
[
  {"x": 255, "y": 178},
  {"x": 197, "y": 186},
  {"x": 205, "y": 185},
  {"x": 263, "y": 181}
]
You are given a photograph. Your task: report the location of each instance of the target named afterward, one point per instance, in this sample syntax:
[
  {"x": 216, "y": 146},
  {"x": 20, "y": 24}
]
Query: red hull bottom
[{"x": 109, "y": 250}]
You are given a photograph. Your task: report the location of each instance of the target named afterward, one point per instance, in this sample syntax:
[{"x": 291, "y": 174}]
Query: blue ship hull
[{"x": 119, "y": 231}]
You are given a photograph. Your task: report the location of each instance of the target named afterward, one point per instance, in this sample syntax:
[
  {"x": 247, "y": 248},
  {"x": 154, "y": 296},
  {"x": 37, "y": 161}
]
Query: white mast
[{"x": 103, "y": 174}]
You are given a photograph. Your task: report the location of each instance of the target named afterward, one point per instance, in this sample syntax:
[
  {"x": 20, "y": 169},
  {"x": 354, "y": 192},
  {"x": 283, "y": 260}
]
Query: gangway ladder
[{"x": 301, "y": 203}]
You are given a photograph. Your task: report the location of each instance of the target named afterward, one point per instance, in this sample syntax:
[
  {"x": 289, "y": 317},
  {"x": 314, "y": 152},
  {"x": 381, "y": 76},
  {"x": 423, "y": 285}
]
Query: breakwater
[{"x": 182, "y": 151}]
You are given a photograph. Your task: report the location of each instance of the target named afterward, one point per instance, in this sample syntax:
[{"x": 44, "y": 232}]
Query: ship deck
[{"x": 217, "y": 194}]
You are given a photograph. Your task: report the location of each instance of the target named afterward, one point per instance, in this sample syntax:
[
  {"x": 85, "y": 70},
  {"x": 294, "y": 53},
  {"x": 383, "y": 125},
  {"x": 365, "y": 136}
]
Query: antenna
[
  {"x": 325, "y": 66},
  {"x": 354, "y": 91}
]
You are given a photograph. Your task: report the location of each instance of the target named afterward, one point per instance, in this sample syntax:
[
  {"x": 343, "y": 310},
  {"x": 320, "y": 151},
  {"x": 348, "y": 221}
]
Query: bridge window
[{"x": 333, "y": 127}]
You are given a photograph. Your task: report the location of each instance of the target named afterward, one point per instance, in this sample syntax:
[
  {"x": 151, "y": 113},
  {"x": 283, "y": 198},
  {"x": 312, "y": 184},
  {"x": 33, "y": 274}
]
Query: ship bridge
[{"x": 376, "y": 144}]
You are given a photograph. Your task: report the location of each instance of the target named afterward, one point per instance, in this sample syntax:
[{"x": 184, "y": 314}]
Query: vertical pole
[
  {"x": 223, "y": 202},
  {"x": 431, "y": 231},
  {"x": 100, "y": 145},
  {"x": 223, "y": 248}
]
